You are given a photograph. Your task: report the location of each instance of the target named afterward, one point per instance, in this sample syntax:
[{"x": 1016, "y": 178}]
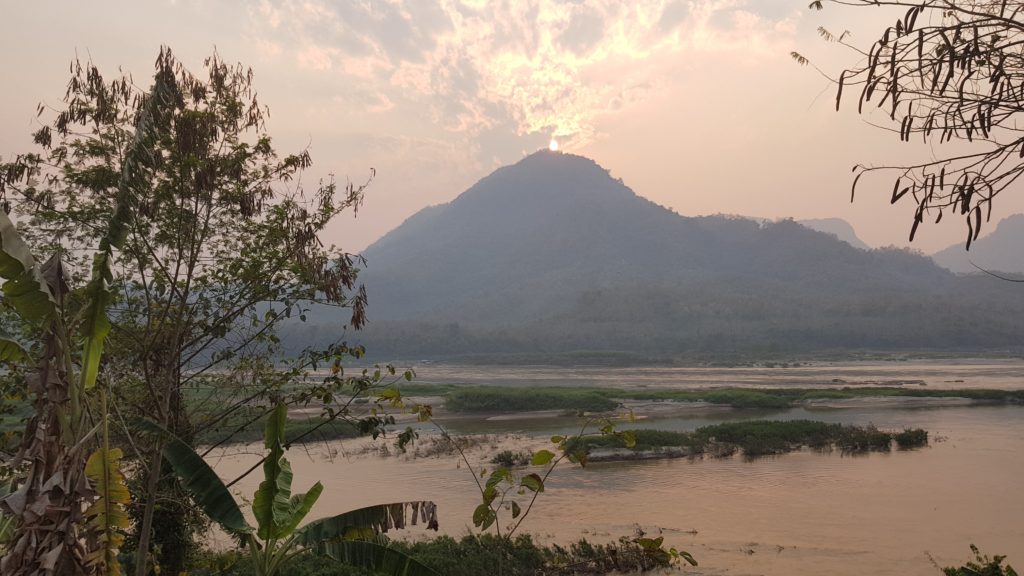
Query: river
[{"x": 899, "y": 513}]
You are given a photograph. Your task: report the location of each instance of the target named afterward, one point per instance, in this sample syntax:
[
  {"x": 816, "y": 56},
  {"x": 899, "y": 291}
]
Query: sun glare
[{"x": 553, "y": 145}]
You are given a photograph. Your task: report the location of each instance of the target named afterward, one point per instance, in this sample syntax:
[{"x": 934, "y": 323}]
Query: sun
[{"x": 553, "y": 145}]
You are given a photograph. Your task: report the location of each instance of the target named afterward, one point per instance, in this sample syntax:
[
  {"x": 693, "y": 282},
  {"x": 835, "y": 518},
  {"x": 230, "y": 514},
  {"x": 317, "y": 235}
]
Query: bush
[
  {"x": 508, "y": 459},
  {"x": 911, "y": 438}
]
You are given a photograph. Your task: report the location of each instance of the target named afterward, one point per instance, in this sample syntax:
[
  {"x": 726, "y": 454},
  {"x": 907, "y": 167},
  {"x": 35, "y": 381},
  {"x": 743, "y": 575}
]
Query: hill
[
  {"x": 553, "y": 254},
  {"x": 999, "y": 251}
]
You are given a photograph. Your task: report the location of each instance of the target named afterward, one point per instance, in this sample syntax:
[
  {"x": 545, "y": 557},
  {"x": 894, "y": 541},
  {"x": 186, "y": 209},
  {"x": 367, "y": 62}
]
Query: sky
[{"x": 695, "y": 104}]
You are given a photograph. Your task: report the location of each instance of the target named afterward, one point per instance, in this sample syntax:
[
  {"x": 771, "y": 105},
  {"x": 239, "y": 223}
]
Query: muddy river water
[{"x": 898, "y": 513}]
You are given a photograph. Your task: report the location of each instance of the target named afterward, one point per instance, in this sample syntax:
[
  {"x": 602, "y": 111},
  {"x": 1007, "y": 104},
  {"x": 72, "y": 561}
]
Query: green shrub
[
  {"x": 911, "y": 438},
  {"x": 509, "y": 459}
]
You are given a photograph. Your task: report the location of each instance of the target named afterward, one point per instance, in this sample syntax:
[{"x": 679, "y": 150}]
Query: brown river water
[{"x": 898, "y": 513}]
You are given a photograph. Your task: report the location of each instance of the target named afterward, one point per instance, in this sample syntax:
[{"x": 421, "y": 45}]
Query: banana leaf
[
  {"x": 277, "y": 511},
  {"x": 24, "y": 286},
  {"x": 299, "y": 507},
  {"x": 271, "y": 503},
  {"x": 370, "y": 520},
  {"x": 12, "y": 351},
  {"x": 206, "y": 487}
]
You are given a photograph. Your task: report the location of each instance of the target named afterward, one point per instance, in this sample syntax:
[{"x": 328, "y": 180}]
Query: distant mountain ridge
[
  {"x": 553, "y": 254},
  {"x": 1002, "y": 250},
  {"x": 837, "y": 227}
]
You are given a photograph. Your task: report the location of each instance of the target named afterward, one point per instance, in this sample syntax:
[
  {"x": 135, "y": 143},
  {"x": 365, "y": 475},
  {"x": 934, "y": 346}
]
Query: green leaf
[
  {"x": 490, "y": 493},
  {"x": 376, "y": 557},
  {"x": 376, "y": 519},
  {"x": 272, "y": 503},
  {"x": 95, "y": 324},
  {"x": 206, "y": 487},
  {"x": 497, "y": 476},
  {"x": 483, "y": 516},
  {"x": 392, "y": 395},
  {"x": 542, "y": 457},
  {"x": 516, "y": 509},
  {"x": 11, "y": 351},
  {"x": 24, "y": 286},
  {"x": 532, "y": 482},
  {"x": 300, "y": 506},
  {"x": 690, "y": 559},
  {"x": 557, "y": 439}
]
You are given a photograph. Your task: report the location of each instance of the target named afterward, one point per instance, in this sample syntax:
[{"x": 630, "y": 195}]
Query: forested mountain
[
  {"x": 1002, "y": 250},
  {"x": 553, "y": 254}
]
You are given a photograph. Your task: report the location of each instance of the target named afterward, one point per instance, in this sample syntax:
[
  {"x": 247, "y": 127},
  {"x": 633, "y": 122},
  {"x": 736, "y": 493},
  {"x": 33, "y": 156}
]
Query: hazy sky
[{"x": 695, "y": 104}]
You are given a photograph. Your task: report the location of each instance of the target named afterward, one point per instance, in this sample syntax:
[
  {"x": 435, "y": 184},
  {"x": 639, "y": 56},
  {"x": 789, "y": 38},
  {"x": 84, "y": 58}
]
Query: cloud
[{"x": 541, "y": 66}]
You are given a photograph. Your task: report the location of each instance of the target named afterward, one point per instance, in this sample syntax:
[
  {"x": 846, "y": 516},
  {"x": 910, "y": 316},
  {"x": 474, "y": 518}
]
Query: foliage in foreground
[
  {"x": 208, "y": 243},
  {"x": 469, "y": 556},
  {"x": 351, "y": 538}
]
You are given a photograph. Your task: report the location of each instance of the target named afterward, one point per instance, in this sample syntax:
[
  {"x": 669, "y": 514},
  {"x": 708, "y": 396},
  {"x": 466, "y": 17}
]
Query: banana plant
[
  {"x": 52, "y": 531},
  {"x": 355, "y": 537}
]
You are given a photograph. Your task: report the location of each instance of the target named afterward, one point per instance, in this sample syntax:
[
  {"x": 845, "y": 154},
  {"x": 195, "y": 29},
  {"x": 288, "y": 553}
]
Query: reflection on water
[{"x": 801, "y": 513}]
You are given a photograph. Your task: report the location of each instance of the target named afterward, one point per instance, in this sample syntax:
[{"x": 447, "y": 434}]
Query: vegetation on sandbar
[
  {"x": 495, "y": 399},
  {"x": 756, "y": 438}
]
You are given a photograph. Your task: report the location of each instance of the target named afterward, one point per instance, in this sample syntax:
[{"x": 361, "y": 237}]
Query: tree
[
  {"x": 219, "y": 246},
  {"x": 946, "y": 72}
]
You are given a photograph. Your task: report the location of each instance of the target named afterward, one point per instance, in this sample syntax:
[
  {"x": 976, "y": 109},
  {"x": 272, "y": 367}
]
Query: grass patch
[{"x": 247, "y": 424}]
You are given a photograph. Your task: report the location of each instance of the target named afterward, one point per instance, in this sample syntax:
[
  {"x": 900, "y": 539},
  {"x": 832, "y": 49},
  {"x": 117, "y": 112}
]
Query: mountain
[
  {"x": 1002, "y": 250},
  {"x": 837, "y": 227},
  {"x": 553, "y": 254}
]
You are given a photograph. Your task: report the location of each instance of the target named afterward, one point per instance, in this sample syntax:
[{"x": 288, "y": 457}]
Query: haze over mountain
[
  {"x": 1002, "y": 250},
  {"x": 553, "y": 254}
]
